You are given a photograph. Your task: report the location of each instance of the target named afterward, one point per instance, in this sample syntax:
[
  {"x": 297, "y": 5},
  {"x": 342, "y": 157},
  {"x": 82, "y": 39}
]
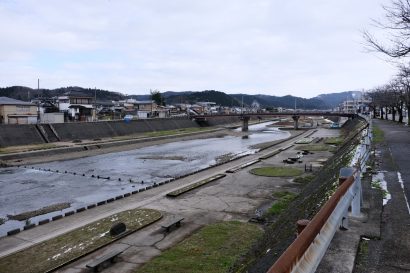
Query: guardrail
[{"x": 306, "y": 252}]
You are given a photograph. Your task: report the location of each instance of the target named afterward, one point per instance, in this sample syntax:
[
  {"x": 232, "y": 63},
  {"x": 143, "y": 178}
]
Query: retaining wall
[
  {"x": 103, "y": 129},
  {"x": 14, "y": 134}
]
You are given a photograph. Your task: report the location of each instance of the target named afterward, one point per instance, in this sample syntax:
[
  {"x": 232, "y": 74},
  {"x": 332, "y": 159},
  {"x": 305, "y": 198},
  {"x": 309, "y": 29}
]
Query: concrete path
[
  {"x": 392, "y": 252},
  {"x": 385, "y": 229}
]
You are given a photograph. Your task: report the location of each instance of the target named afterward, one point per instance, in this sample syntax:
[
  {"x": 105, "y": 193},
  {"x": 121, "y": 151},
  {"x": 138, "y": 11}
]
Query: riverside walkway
[{"x": 392, "y": 252}]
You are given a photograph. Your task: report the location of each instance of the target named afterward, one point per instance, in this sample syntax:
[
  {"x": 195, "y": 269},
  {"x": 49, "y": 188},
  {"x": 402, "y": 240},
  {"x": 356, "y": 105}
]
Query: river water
[{"x": 76, "y": 182}]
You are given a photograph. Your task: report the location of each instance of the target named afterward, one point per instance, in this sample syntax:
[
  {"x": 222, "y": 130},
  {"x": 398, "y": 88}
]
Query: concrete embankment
[{"x": 14, "y": 135}]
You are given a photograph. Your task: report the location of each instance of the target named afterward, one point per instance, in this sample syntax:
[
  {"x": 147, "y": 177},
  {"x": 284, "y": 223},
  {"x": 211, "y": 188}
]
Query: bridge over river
[{"x": 245, "y": 117}]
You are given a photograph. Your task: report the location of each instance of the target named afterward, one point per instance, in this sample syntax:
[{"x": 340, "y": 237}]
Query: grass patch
[
  {"x": 314, "y": 147},
  {"x": 276, "y": 171},
  {"x": 282, "y": 202},
  {"x": 175, "y": 132},
  {"x": 213, "y": 249},
  {"x": 194, "y": 185},
  {"x": 304, "y": 179},
  {"x": 44, "y": 210},
  {"x": 378, "y": 134},
  {"x": 27, "y": 148},
  {"x": 334, "y": 140},
  {"x": 305, "y": 140},
  {"x": 62, "y": 249}
]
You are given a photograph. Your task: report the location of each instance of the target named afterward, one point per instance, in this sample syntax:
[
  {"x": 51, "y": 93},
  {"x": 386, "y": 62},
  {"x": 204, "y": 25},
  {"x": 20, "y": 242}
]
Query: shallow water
[{"x": 27, "y": 189}]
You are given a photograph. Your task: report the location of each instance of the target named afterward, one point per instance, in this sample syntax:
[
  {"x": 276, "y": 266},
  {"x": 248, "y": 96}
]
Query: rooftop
[{"x": 10, "y": 101}]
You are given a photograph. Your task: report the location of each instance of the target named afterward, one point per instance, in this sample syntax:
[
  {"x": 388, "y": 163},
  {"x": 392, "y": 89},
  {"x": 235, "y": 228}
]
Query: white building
[{"x": 77, "y": 106}]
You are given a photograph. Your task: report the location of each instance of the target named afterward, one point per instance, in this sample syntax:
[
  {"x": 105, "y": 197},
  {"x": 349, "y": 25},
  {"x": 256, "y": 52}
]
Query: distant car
[
  {"x": 335, "y": 125},
  {"x": 128, "y": 117}
]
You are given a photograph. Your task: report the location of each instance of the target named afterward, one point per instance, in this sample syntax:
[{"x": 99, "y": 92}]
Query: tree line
[{"x": 394, "y": 96}]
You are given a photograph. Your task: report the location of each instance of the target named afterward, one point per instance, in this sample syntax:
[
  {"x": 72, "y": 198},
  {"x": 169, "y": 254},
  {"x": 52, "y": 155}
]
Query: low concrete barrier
[
  {"x": 13, "y": 232},
  {"x": 45, "y": 221}
]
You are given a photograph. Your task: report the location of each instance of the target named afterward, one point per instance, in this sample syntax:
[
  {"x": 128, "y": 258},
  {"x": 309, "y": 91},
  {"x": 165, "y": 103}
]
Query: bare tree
[
  {"x": 397, "y": 26},
  {"x": 404, "y": 77},
  {"x": 396, "y": 92}
]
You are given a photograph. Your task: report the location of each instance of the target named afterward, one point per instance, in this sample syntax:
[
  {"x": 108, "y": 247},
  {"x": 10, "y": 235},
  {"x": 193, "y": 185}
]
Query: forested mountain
[
  {"x": 26, "y": 94},
  {"x": 323, "y": 101}
]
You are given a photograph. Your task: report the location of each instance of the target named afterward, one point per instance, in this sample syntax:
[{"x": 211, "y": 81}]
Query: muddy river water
[{"x": 76, "y": 182}]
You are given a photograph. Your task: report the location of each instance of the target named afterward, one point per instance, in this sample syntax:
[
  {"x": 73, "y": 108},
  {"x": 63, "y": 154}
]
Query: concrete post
[
  {"x": 300, "y": 225},
  {"x": 357, "y": 199},
  {"x": 245, "y": 124},
  {"x": 344, "y": 174},
  {"x": 296, "y": 121}
]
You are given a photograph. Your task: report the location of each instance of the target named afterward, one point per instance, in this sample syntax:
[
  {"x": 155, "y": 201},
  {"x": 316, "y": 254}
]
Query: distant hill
[
  {"x": 334, "y": 99},
  {"x": 323, "y": 101},
  {"x": 26, "y": 94},
  {"x": 220, "y": 98},
  {"x": 285, "y": 101}
]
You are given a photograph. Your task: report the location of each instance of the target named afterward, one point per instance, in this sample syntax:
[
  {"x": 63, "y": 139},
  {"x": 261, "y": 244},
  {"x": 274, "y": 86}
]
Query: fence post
[
  {"x": 344, "y": 174},
  {"x": 357, "y": 198}
]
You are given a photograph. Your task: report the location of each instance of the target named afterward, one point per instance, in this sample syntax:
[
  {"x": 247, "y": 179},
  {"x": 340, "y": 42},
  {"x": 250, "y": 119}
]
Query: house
[
  {"x": 144, "y": 109},
  {"x": 48, "y": 110},
  {"x": 17, "y": 112},
  {"x": 76, "y": 106}
]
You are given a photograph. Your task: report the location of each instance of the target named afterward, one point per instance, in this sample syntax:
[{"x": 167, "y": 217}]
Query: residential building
[
  {"x": 48, "y": 110},
  {"x": 17, "y": 112},
  {"x": 76, "y": 106},
  {"x": 355, "y": 106}
]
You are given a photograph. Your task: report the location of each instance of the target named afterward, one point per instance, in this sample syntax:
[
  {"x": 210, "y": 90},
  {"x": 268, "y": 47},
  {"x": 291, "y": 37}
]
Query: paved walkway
[{"x": 392, "y": 252}]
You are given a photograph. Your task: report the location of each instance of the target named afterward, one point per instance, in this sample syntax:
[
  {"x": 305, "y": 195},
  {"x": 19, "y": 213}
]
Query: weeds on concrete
[
  {"x": 334, "y": 140},
  {"x": 361, "y": 261},
  {"x": 213, "y": 249},
  {"x": 62, "y": 249},
  {"x": 378, "y": 134},
  {"x": 304, "y": 179},
  {"x": 283, "y": 199}
]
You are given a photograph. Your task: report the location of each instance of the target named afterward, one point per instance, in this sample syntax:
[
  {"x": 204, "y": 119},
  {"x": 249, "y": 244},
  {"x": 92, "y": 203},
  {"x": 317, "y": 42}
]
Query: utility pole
[
  {"x": 295, "y": 104},
  {"x": 38, "y": 100},
  {"x": 95, "y": 103},
  {"x": 242, "y": 106}
]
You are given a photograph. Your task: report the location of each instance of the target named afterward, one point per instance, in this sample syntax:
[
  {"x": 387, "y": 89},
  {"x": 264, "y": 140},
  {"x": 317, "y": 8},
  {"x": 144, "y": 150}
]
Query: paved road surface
[{"x": 392, "y": 252}]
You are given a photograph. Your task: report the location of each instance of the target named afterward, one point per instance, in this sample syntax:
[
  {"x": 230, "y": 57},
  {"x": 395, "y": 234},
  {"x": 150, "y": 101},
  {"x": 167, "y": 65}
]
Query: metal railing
[{"x": 306, "y": 252}]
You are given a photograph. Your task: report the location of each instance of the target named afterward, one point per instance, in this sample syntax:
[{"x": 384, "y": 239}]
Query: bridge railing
[{"x": 308, "y": 249}]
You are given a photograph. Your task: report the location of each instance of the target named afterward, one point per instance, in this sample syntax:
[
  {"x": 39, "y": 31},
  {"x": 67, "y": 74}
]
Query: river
[{"x": 34, "y": 187}]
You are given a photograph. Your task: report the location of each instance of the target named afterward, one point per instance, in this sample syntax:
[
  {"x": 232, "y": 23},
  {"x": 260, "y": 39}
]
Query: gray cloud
[{"x": 273, "y": 47}]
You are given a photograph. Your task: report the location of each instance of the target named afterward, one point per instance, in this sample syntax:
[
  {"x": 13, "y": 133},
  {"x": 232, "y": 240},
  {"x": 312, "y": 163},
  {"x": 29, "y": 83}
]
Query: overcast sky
[{"x": 275, "y": 47}]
